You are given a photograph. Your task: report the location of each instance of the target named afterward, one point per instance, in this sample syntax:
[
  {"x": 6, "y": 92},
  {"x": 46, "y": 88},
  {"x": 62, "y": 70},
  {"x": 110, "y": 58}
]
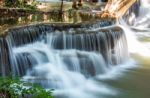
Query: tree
[
  {"x": 61, "y": 7},
  {"x": 11, "y": 3}
]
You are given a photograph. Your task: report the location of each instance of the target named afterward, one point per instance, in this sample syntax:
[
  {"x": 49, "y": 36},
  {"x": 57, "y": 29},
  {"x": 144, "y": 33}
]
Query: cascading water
[
  {"x": 140, "y": 27},
  {"x": 65, "y": 58}
]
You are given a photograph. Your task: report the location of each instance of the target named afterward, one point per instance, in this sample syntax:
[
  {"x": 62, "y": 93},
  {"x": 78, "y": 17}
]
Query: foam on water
[
  {"x": 134, "y": 45},
  {"x": 118, "y": 71},
  {"x": 61, "y": 60},
  {"x": 144, "y": 18},
  {"x": 72, "y": 84}
]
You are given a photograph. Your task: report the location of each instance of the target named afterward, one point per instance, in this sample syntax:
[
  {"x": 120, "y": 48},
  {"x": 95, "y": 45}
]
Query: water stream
[{"x": 86, "y": 62}]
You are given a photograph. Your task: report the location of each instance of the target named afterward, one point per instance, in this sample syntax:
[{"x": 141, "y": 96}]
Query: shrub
[
  {"x": 21, "y": 4},
  {"x": 15, "y": 88}
]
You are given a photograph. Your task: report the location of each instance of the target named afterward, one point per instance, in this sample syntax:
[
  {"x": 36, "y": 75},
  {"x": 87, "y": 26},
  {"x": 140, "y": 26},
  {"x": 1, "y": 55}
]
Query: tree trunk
[
  {"x": 80, "y": 2},
  {"x": 61, "y": 7},
  {"x": 74, "y": 4},
  {"x": 61, "y": 10}
]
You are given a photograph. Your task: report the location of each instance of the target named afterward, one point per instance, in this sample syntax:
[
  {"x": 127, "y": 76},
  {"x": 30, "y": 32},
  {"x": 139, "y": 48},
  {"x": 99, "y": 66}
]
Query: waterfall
[
  {"x": 4, "y": 58},
  {"x": 57, "y": 53},
  {"x": 140, "y": 26},
  {"x": 65, "y": 57},
  {"x": 143, "y": 19}
]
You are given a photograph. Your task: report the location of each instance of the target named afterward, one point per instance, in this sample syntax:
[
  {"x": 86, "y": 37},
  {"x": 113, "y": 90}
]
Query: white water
[
  {"x": 134, "y": 47},
  {"x": 72, "y": 84},
  {"x": 144, "y": 18},
  {"x": 53, "y": 72},
  {"x": 141, "y": 23},
  {"x": 74, "y": 78}
]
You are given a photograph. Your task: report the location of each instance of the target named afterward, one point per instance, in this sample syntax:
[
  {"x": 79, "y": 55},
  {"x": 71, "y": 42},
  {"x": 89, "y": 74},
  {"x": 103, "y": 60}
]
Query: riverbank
[{"x": 46, "y": 12}]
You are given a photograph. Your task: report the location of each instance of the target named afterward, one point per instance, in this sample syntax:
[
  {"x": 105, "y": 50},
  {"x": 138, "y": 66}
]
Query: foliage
[
  {"x": 11, "y": 3},
  {"x": 15, "y": 88},
  {"x": 21, "y": 4}
]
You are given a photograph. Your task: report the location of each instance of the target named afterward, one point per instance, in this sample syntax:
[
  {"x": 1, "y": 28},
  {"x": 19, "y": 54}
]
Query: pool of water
[{"x": 134, "y": 83}]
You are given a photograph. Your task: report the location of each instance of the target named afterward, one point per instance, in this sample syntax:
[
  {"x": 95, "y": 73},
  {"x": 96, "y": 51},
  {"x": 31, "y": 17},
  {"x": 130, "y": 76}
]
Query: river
[
  {"x": 131, "y": 79},
  {"x": 62, "y": 62}
]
